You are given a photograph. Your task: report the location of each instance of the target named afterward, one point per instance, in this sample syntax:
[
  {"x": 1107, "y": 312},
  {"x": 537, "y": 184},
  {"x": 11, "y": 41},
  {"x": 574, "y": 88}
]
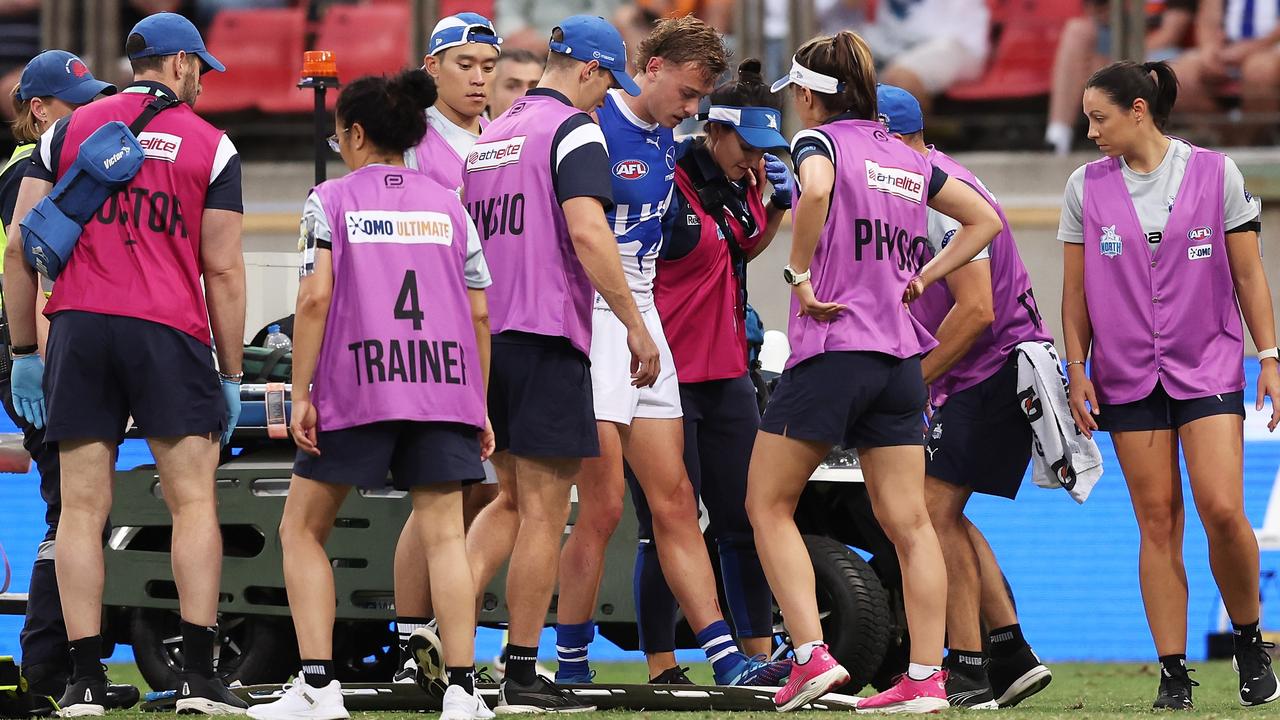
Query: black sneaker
[
  {"x": 405, "y": 674},
  {"x": 84, "y": 697},
  {"x": 205, "y": 695},
  {"x": 540, "y": 696},
  {"x": 970, "y": 689},
  {"x": 1016, "y": 677},
  {"x": 672, "y": 676},
  {"x": 120, "y": 696},
  {"x": 1257, "y": 680},
  {"x": 1175, "y": 690}
]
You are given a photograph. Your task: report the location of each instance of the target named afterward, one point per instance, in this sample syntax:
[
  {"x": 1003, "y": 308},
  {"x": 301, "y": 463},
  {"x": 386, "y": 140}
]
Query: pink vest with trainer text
[{"x": 399, "y": 343}]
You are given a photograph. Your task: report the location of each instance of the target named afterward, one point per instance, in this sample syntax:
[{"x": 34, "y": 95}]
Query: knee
[
  {"x": 673, "y": 505},
  {"x": 1161, "y": 530},
  {"x": 765, "y": 510},
  {"x": 1223, "y": 519},
  {"x": 1260, "y": 74},
  {"x": 904, "y": 527},
  {"x": 295, "y": 530}
]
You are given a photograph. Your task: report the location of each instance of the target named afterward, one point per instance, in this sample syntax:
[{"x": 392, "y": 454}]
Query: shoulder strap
[
  {"x": 20, "y": 153},
  {"x": 154, "y": 108}
]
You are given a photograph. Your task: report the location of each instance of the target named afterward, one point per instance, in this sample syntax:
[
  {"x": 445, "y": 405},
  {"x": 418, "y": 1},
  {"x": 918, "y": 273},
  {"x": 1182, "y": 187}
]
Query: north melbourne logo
[
  {"x": 1110, "y": 244},
  {"x": 491, "y": 155}
]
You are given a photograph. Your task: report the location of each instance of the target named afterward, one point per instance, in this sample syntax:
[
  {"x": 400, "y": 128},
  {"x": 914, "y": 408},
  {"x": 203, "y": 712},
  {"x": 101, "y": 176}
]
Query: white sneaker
[
  {"x": 427, "y": 652},
  {"x": 303, "y": 702},
  {"x": 406, "y": 674},
  {"x": 458, "y": 705}
]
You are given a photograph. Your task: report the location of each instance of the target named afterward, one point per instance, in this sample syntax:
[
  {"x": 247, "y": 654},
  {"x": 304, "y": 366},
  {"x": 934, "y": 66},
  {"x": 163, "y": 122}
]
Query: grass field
[{"x": 1079, "y": 692}]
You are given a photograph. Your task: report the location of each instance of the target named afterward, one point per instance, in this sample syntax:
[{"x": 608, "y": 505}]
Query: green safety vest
[{"x": 20, "y": 153}]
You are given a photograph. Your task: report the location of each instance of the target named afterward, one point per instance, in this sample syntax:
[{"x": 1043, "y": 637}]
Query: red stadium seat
[
  {"x": 262, "y": 50},
  {"x": 1022, "y": 56},
  {"x": 365, "y": 40}
]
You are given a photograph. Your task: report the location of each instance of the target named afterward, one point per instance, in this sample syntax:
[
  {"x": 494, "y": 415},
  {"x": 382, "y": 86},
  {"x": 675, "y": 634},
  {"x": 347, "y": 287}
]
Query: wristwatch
[
  {"x": 1271, "y": 352},
  {"x": 794, "y": 278}
]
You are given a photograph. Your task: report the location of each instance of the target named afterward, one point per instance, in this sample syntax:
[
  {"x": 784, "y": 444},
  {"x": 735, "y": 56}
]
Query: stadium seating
[
  {"x": 366, "y": 40},
  {"x": 1026, "y": 38},
  {"x": 262, "y": 50}
]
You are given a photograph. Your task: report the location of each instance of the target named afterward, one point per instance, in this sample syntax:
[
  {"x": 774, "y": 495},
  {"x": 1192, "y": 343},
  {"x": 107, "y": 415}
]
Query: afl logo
[
  {"x": 1200, "y": 233},
  {"x": 630, "y": 169}
]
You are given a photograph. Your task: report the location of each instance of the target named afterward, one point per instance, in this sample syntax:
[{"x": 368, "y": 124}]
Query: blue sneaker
[{"x": 757, "y": 671}]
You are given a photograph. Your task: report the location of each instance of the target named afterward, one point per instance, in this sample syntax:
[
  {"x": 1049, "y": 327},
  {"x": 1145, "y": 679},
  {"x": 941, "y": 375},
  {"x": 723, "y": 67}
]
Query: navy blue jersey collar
[{"x": 548, "y": 92}]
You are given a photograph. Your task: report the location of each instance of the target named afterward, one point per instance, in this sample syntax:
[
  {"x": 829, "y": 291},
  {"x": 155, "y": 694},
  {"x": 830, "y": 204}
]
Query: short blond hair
[
  {"x": 25, "y": 127},
  {"x": 685, "y": 40}
]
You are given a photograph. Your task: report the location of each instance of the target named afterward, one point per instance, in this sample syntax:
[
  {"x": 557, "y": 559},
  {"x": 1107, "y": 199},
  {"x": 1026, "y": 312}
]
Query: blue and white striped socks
[
  {"x": 722, "y": 652},
  {"x": 571, "y": 650}
]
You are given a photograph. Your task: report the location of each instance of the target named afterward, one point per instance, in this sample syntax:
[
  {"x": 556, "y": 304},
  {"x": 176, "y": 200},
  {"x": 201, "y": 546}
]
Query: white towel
[{"x": 1062, "y": 457}]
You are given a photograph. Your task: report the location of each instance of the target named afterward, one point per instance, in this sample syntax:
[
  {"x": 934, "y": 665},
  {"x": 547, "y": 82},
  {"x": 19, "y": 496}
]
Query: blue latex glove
[
  {"x": 27, "y": 386},
  {"x": 231, "y": 393},
  {"x": 780, "y": 177}
]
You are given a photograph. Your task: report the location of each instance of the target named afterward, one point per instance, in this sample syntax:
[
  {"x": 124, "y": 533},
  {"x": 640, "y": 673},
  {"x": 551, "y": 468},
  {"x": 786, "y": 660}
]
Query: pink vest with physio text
[
  {"x": 399, "y": 343},
  {"x": 539, "y": 286},
  {"x": 872, "y": 245},
  {"x": 1017, "y": 319},
  {"x": 437, "y": 159},
  {"x": 1167, "y": 316}
]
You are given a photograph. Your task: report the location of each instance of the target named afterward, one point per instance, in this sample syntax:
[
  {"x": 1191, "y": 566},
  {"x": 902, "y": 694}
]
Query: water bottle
[{"x": 276, "y": 339}]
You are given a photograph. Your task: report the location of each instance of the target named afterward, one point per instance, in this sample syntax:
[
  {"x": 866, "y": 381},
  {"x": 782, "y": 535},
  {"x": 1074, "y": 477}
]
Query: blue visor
[
  {"x": 463, "y": 28},
  {"x": 760, "y": 127}
]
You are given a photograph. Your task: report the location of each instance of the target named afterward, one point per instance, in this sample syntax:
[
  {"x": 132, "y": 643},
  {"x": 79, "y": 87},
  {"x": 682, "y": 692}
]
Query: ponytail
[
  {"x": 748, "y": 89},
  {"x": 846, "y": 57},
  {"x": 1126, "y": 81},
  {"x": 391, "y": 110}
]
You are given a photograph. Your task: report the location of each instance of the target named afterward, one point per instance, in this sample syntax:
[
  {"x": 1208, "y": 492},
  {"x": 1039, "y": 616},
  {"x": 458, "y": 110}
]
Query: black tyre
[
  {"x": 856, "y": 622},
  {"x": 251, "y": 649}
]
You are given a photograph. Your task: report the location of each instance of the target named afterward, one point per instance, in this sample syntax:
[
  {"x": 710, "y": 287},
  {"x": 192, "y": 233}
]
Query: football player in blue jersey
[{"x": 679, "y": 63}]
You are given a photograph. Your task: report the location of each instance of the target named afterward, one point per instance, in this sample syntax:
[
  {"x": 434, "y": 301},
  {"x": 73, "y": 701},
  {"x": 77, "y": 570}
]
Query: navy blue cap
[
  {"x": 760, "y": 127},
  {"x": 588, "y": 38},
  {"x": 58, "y": 73},
  {"x": 460, "y": 29},
  {"x": 899, "y": 110},
  {"x": 169, "y": 34}
]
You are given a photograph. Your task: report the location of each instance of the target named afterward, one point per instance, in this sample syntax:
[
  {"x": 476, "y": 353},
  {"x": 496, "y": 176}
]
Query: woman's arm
[
  {"x": 1077, "y": 334},
  {"x": 315, "y": 293},
  {"x": 1254, "y": 295},
  {"x": 480, "y": 321},
  {"x": 817, "y": 177},
  {"x": 979, "y": 225},
  {"x": 773, "y": 221}
]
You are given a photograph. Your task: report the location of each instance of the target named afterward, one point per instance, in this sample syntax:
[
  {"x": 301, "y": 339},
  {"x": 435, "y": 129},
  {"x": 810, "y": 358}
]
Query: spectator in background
[
  {"x": 527, "y": 23},
  {"x": 922, "y": 46},
  {"x": 1237, "y": 46},
  {"x": 19, "y": 42},
  {"x": 518, "y": 72},
  {"x": 635, "y": 20},
  {"x": 1085, "y": 46},
  {"x": 206, "y": 9}
]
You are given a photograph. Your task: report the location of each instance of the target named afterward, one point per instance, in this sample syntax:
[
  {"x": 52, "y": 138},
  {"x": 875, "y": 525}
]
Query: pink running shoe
[
  {"x": 910, "y": 696},
  {"x": 812, "y": 680}
]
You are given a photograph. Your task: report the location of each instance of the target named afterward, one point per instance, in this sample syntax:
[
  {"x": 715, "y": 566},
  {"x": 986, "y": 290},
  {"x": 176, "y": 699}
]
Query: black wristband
[{"x": 24, "y": 349}]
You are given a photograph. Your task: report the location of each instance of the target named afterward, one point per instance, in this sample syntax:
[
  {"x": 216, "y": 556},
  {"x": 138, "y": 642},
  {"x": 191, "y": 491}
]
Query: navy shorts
[
  {"x": 1158, "y": 411},
  {"x": 414, "y": 453},
  {"x": 980, "y": 438},
  {"x": 540, "y": 397},
  {"x": 102, "y": 369},
  {"x": 855, "y": 399}
]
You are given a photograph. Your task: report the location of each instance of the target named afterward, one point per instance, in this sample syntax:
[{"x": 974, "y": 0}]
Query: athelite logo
[
  {"x": 630, "y": 169},
  {"x": 1110, "y": 244},
  {"x": 490, "y": 155},
  {"x": 399, "y": 227},
  {"x": 160, "y": 146},
  {"x": 895, "y": 181}
]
